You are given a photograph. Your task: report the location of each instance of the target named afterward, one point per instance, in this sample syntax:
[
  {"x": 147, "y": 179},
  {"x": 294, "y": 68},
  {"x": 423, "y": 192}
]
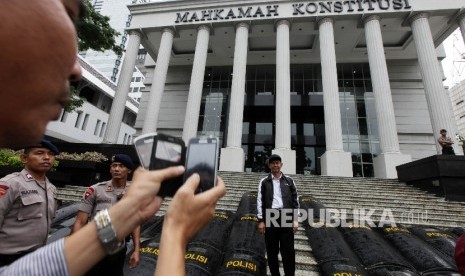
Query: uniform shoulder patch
[
  {"x": 90, "y": 191},
  {"x": 3, "y": 189}
]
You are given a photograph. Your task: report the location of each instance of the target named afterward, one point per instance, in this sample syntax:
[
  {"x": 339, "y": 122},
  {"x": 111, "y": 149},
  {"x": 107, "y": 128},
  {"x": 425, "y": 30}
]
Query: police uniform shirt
[
  {"x": 25, "y": 216},
  {"x": 98, "y": 197}
]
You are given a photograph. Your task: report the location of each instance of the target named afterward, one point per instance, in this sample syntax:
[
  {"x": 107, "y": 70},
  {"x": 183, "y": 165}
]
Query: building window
[
  {"x": 64, "y": 116},
  {"x": 84, "y": 124},
  {"x": 102, "y": 130},
  {"x": 358, "y": 116},
  {"x": 78, "y": 120},
  {"x": 97, "y": 127}
]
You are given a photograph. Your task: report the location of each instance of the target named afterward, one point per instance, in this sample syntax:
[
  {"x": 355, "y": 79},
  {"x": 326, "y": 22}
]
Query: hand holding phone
[{"x": 158, "y": 151}]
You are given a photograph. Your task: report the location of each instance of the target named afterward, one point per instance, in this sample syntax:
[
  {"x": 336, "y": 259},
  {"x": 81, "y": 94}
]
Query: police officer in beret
[
  {"x": 27, "y": 203},
  {"x": 104, "y": 195}
]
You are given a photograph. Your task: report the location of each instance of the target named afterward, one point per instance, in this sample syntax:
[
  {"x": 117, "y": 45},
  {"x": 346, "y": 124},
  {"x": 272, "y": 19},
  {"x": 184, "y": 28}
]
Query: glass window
[
  {"x": 264, "y": 129},
  {"x": 309, "y": 129},
  {"x": 84, "y": 124},
  {"x": 293, "y": 129},
  {"x": 245, "y": 127}
]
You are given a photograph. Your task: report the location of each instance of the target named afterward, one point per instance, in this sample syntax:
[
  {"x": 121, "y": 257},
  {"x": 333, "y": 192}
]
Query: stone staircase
[{"x": 408, "y": 205}]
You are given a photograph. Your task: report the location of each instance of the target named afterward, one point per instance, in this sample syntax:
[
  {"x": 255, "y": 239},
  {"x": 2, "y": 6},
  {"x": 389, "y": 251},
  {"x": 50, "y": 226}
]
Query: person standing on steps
[
  {"x": 446, "y": 143},
  {"x": 277, "y": 200}
]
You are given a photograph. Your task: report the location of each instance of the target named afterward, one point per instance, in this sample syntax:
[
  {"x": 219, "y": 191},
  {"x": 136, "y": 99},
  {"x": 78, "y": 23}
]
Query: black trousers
[
  {"x": 448, "y": 151},
  {"x": 110, "y": 265},
  {"x": 280, "y": 239}
]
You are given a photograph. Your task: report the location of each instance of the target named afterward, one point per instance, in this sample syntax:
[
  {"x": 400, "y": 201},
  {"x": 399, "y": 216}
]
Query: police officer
[
  {"x": 277, "y": 194},
  {"x": 104, "y": 195},
  {"x": 27, "y": 203}
]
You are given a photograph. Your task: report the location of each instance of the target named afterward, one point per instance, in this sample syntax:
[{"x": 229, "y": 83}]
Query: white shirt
[{"x": 277, "y": 197}]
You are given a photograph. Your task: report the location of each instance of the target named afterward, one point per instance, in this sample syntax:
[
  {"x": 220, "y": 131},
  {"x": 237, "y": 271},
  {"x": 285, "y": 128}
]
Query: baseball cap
[
  {"x": 274, "y": 157},
  {"x": 123, "y": 159}
]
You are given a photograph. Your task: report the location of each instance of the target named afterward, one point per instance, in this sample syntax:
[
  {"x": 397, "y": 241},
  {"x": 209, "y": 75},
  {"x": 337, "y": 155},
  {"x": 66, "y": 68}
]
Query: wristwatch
[{"x": 107, "y": 233}]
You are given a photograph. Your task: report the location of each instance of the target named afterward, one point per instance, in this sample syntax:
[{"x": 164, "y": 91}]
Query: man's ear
[{"x": 23, "y": 157}]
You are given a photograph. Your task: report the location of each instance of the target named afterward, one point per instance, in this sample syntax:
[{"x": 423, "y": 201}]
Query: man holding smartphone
[
  {"x": 276, "y": 201},
  {"x": 104, "y": 195}
]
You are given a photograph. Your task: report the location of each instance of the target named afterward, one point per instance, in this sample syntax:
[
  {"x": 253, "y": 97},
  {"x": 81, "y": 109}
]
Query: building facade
[
  {"x": 457, "y": 96},
  {"x": 88, "y": 123},
  {"x": 341, "y": 88}
]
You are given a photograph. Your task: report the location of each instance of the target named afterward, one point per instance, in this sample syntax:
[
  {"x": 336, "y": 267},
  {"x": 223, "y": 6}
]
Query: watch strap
[{"x": 107, "y": 233}]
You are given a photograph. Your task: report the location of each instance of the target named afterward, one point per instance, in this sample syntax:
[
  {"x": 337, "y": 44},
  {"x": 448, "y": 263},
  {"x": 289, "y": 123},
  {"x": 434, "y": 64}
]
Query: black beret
[
  {"x": 44, "y": 144},
  {"x": 123, "y": 159},
  {"x": 274, "y": 157}
]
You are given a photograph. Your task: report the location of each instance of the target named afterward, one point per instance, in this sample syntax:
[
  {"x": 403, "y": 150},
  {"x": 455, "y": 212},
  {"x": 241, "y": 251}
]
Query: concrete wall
[
  {"x": 174, "y": 101},
  {"x": 72, "y": 128},
  {"x": 411, "y": 110}
]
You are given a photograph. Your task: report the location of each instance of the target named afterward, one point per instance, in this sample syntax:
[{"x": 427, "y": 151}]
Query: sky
[{"x": 454, "y": 63}]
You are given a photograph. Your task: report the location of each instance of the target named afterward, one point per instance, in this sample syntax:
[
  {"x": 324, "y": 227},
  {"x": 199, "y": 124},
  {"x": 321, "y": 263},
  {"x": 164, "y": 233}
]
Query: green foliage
[
  {"x": 74, "y": 100},
  {"x": 10, "y": 158},
  {"x": 94, "y": 31}
]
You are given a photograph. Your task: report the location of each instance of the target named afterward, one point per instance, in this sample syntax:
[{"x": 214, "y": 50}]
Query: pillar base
[
  {"x": 288, "y": 157},
  {"x": 232, "y": 160},
  {"x": 336, "y": 163},
  {"x": 384, "y": 165}
]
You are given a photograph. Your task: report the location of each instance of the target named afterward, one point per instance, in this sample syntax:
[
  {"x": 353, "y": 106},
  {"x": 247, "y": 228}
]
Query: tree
[
  {"x": 94, "y": 31},
  {"x": 74, "y": 102}
]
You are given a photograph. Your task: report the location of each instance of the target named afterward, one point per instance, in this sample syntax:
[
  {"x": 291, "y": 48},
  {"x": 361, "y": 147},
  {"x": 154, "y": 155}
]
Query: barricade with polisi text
[
  {"x": 425, "y": 259},
  {"x": 375, "y": 253},
  {"x": 204, "y": 253},
  {"x": 438, "y": 239},
  {"x": 245, "y": 249},
  {"x": 148, "y": 253},
  {"x": 330, "y": 250}
]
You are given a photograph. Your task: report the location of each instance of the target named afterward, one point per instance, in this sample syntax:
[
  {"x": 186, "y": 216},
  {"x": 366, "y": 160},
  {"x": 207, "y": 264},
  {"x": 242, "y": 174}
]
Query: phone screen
[
  {"x": 144, "y": 150},
  {"x": 168, "y": 151},
  {"x": 201, "y": 159}
]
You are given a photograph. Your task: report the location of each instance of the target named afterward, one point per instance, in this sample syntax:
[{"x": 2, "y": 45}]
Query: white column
[
  {"x": 283, "y": 99},
  {"x": 461, "y": 22},
  {"x": 119, "y": 102},
  {"x": 158, "y": 82},
  {"x": 436, "y": 96},
  {"x": 334, "y": 162},
  {"x": 390, "y": 157},
  {"x": 232, "y": 157},
  {"x": 191, "y": 119}
]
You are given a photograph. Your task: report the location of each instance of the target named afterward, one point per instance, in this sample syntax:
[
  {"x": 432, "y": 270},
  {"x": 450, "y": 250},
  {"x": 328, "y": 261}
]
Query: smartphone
[
  {"x": 158, "y": 151},
  {"x": 143, "y": 145},
  {"x": 202, "y": 158}
]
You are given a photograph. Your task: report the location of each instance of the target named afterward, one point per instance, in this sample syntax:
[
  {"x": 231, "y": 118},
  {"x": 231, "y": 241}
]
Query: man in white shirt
[{"x": 277, "y": 195}]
